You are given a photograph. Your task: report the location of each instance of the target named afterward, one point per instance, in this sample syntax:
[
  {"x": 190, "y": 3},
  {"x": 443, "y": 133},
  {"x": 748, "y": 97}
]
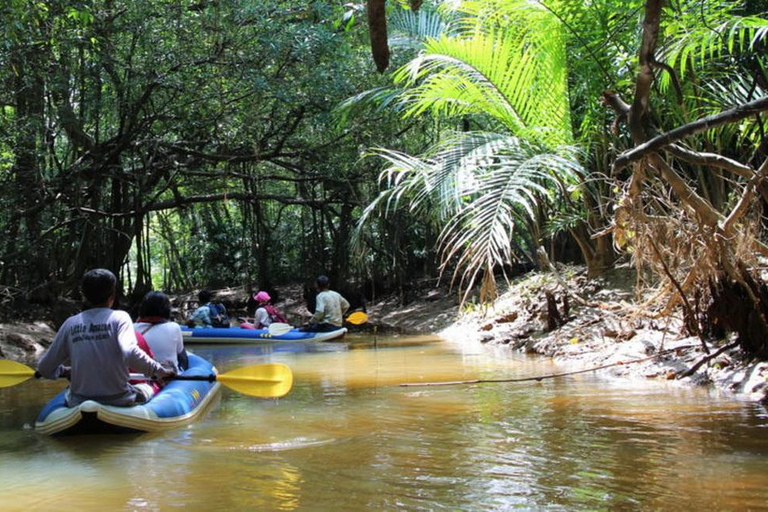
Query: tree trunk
[
  {"x": 377, "y": 26},
  {"x": 29, "y": 96}
]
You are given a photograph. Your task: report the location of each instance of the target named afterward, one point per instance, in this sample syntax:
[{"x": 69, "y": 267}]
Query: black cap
[{"x": 323, "y": 281}]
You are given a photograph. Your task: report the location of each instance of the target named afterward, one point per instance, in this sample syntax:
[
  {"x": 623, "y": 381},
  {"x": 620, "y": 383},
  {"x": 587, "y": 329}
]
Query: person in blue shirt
[
  {"x": 208, "y": 314},
  {"x": 202, "y": 315}
]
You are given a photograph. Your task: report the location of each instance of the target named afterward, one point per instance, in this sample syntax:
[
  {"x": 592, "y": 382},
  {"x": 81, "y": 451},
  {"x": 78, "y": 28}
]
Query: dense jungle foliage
[{"x": 217, "y": 143}]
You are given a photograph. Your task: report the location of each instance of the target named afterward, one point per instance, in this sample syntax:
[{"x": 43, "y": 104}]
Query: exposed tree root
[{"x": 693, "y": 369}]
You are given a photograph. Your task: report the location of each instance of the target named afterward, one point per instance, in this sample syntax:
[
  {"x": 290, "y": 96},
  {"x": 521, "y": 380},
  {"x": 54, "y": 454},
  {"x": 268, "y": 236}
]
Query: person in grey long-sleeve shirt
[{"x": 100, "y": 344}]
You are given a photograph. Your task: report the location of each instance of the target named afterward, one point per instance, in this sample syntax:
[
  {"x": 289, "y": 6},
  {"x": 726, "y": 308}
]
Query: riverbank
[
  {"x": 599, "y": 327},
  {"x": 595, "y": 326}
]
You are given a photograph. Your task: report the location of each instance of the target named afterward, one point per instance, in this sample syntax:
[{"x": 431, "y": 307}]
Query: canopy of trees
[{"x": 194, "y": 140}]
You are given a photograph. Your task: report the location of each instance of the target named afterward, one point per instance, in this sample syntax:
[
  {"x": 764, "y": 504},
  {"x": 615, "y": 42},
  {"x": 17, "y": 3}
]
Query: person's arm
[
  {"x": 51, "y": 364},
  {"x": 319, "y": 310},
  {"x": 344, "y": 304},
  {"x": 181, "y": 353}
]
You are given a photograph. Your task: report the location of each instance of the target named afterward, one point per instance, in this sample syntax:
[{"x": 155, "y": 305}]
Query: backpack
[
  {"x": 275, "y": 315},
  {"x": 219, "y": 316}
]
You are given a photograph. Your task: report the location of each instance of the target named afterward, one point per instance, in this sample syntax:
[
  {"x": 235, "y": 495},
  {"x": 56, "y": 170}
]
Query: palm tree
[{"x": 504, "y": 79}]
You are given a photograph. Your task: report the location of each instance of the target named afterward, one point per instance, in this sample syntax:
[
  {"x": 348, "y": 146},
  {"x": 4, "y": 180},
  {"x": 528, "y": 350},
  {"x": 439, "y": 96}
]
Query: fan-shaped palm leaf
[
  {"x": 500, "y": 74},
  {"x": 487, "y": 185},
  {"x": 411, "y": 29}
]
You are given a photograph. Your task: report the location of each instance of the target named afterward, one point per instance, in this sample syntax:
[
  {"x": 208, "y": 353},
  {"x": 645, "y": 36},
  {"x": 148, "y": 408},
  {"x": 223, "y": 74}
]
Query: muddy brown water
[{"x": 348, "y": 437}]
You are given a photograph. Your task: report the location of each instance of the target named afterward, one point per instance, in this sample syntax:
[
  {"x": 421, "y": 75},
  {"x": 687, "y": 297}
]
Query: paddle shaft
[
  {"x": 202, "y": 378},
  {"x": 279, "y": 328},
  {"x": 205, "y": 378}
]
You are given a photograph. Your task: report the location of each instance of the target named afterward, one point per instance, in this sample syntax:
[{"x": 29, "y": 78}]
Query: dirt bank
[
  {"x": 607, "y": 333},
  {"x": 600, "y": 333}
]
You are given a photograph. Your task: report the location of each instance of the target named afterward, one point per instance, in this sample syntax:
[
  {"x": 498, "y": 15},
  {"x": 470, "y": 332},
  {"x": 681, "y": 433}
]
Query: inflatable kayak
[
  {"x": 178, "y": 403},
  {"x": 240, "y": 335}
]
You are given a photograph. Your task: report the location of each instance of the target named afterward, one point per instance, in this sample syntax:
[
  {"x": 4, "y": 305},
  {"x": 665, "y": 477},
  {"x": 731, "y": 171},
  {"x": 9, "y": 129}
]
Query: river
[{"x": 348, "y": 437}]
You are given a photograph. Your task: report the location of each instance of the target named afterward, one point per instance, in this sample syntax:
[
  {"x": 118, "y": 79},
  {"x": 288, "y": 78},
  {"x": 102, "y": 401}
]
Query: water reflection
[{"x": 349, "y": 437}]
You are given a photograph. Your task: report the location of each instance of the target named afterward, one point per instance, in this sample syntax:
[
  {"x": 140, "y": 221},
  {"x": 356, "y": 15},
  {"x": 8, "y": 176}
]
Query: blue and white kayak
[
  {"x": 179, "y": 403},
  {"x": 240, "y": 335}
]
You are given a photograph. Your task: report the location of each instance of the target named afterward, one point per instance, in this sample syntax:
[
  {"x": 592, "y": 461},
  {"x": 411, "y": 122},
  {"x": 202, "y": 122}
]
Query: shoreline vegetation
[{"x": 596, "y": 326}]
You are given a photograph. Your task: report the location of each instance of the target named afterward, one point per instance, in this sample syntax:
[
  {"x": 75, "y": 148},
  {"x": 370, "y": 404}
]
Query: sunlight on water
[{"x": 350, "y": 437}]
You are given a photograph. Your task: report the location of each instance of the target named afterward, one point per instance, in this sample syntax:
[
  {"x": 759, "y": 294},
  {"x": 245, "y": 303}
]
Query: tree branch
[
  {"x": 180, "y": 201},
  {"x": 703, "y": 209},
  {"x": 710, "y": 160},
  {"x": 700, "y": 125},
  {"x": 645, "y": 77}
]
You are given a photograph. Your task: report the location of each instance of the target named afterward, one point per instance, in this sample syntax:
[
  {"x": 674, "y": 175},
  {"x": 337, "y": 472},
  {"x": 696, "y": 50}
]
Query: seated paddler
[{"x": 95, "y": 348}]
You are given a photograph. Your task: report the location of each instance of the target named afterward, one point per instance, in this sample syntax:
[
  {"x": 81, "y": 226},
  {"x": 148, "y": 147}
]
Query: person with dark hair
[
  {"x": 202, "y": 314},
  {"x": 330, "y": 307},
  {"x": 163, "y": 336},
  {"x": 100, "y": 344},
  {"x": 208, "y": 314}
]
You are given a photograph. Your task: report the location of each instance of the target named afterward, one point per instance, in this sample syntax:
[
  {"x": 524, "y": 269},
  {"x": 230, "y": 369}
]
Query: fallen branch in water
[
  {"x": 551, "y": 376},
  {"x": 708, "y": 358}
]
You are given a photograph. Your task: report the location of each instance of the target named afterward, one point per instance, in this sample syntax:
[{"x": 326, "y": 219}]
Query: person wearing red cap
[{"x": 266, "y": 314}]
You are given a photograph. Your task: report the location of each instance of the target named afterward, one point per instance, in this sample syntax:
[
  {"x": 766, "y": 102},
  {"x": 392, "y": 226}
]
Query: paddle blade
[
  {"x": 278, "y": 329},
  {"x": 271, "y": 380},
  {"x": 357, "y": 318},
  {"x": 12, "y": 373}
]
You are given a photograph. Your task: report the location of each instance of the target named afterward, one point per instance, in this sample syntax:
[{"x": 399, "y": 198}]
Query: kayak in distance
[
  {"x": 240, "y": 335},
  {"x": 179, "y": 403}
]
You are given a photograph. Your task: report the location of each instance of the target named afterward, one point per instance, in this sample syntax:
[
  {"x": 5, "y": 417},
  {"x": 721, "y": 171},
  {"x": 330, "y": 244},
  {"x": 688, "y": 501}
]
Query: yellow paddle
[
  {"x": 12, "y": 373},
  {"x": 357, "y": 318},
  {"x": 271, "y": 380}
]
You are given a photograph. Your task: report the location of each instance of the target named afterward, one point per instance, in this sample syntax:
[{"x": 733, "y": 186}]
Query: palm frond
[
  {"x": 698, "y": 36},
  {"x": 723, "y": 92},
  {"x": 563, "y": 221},
  {"x": 486, "y": 186},
  {"x": 445, "y": 173},
  {"x": 378, "y": 99},
  {"x": 411, "y": 29},
  {"x": 496, "y": 74},
  {"x": 479, "y": 238}
]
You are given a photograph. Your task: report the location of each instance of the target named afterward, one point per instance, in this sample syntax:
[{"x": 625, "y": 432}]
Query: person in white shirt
[
  {"x": 100, "y": 344},
  {"x": 163, "y": 336},
  {"x": 261, "y": 318},
  {"x": 330, "y": 307}
]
